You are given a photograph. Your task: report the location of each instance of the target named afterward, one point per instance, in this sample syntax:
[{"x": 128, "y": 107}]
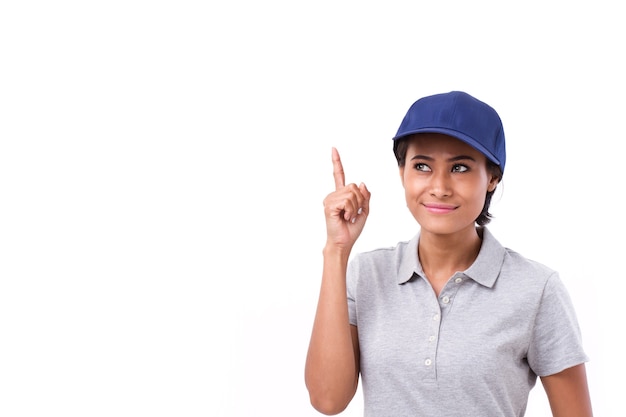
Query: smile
[{"x": 440, "y": 208}]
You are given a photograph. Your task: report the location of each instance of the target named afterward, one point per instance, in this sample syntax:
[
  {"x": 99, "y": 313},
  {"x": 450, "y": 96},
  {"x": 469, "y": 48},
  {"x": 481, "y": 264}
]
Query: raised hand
[{"x": 346, "y": 208}]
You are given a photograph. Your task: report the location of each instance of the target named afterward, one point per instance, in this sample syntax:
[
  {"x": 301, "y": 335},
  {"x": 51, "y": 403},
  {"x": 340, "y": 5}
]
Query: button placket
[
  {"x": 441, "y": 307},
  {"x": 428, "y": 360},
  {"x": 445, "y": 298}
]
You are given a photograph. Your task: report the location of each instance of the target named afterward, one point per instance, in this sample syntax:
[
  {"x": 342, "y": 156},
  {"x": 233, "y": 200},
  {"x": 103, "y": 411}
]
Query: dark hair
[{"x": 400, "y": 146}]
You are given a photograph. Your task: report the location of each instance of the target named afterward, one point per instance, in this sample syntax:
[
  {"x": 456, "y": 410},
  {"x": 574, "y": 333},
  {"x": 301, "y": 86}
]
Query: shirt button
[
  {"x": 427, "y": 362},
  {"x": 458, "y": 280},
  {"x": 445, "y": 299},
  {"x": 431, "y": 339},
  {"x": 436, "y": 317}
]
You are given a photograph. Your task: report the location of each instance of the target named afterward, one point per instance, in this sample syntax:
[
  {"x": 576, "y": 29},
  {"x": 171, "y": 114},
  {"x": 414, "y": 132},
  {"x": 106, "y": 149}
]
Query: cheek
[
  {"x": 475, "y": 192},
  {"x": 413, "y": 193}
]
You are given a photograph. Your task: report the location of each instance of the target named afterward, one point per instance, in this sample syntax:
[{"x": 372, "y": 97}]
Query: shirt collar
[
  {"x": 409, "y": 264},
  {"x": 484, "y": 270}
]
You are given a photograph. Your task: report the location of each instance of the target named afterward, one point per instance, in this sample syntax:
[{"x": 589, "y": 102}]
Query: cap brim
[{"x": 455, "y": 134}]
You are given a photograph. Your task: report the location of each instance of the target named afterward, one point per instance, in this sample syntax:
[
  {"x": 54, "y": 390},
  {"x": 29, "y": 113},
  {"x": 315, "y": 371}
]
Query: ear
[
  {"x": 493, "y": 183},
  {"x": 402, "y": 175}
]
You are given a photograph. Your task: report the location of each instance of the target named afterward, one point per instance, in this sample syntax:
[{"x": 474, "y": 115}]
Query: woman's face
[{"x": 445, "y": 182}]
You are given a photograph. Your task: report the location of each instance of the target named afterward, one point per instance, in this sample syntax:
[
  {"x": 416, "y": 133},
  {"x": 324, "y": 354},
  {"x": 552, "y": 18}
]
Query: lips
[{"x": 439, "y": 208}]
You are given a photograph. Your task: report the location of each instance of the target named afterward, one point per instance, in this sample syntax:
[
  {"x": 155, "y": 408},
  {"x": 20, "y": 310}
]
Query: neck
[{"x": 443, "y": 255}]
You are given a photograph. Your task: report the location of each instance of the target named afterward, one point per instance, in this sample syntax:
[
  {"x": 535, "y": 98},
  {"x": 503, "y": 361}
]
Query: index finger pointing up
[{"x": 340, "y": 178}]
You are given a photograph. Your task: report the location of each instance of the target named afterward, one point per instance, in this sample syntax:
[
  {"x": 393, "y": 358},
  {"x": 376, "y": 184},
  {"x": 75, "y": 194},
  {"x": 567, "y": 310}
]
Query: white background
[{"x": 163, "y": 166}]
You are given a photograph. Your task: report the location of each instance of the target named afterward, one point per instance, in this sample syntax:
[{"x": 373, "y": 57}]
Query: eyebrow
[{"x": 453, "y": 159}]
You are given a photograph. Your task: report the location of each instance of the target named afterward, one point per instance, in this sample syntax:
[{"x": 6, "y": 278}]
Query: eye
[
  {"x": 460, "y": 168},
  {"x": 420, "y": 166}
]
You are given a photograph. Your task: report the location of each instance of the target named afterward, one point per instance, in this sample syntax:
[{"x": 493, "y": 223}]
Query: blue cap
[{"x": 459, "y": 115}]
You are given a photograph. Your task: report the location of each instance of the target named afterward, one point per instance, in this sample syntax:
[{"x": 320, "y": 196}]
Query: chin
[{"x": 442, "y": 227}]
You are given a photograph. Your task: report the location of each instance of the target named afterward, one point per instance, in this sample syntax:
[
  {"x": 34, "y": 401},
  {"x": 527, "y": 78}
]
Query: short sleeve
[
  {"x": 351, "y": 282},
  {"x": 556, "y": 342}
]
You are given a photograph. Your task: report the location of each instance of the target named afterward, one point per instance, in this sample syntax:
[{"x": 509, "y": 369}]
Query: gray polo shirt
[{"x": 475, "y": 350}]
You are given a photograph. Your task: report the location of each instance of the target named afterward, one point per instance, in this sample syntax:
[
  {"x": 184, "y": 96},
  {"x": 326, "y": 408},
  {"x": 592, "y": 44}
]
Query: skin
[
  {"x": 445, "y": 183},
  {"x": 332, "y": 363}
]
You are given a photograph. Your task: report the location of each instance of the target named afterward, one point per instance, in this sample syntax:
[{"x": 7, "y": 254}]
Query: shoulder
[
  {"x": 513, "y": 261},
  {"x": 403, "y": 252},
  {"x": 388, "y": 264},
  {"x": 529, "y": 279},
  {"x": 521, "y": 263},
  {"x": 508, "y": 269},
  {"x": 383, "y": 252}
]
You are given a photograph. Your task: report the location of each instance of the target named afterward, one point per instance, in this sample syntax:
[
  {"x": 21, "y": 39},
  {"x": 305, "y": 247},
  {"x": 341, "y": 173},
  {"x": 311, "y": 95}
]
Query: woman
[{"x": 450, "y": 323}]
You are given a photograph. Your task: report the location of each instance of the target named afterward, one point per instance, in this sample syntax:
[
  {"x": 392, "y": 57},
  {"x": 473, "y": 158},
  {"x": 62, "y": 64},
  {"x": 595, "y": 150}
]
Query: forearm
[{"x": 331, "y": 371}]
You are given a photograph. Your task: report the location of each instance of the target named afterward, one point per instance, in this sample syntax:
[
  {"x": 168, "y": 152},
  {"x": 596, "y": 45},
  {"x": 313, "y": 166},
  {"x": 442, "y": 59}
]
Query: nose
[{"x": 440, "y": 184}]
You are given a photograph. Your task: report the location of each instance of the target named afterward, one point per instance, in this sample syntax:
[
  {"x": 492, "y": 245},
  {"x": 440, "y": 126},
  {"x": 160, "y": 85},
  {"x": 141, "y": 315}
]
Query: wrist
[{"x": 337, "y": 252}]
